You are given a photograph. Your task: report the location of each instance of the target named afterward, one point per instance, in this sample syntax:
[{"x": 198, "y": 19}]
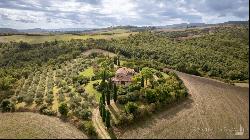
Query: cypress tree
[
  {"x": 115, "y": 60},
  {"x": 115, "y": 93},
  {"x": 104, "y": 76},
  {"x": 110, "y": 84},
  {"x": 108, "y": 97},
  {"x": 107, "y": 120},
  {"x": 118, "y": 61},
  {"x": 100, "y": 105},
  {"x": 103, "y": 113},
  {"x": 142, "y": 81},
  {"x": 103, "y": 97}
]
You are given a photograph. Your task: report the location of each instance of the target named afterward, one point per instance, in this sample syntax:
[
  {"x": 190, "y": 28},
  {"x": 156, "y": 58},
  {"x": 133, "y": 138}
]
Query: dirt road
[
  {"x": 99, "y": 125},
  {"x": 214, "y": 110}
]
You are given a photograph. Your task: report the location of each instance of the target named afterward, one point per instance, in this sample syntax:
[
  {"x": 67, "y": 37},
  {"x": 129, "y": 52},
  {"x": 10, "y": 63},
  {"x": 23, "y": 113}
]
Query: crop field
[
  {"x": 50, "y": 86},
  {"x": 28, "y": 125},
  {"x": 65, "y": 37},
  {"x": 214, "y": 110}
]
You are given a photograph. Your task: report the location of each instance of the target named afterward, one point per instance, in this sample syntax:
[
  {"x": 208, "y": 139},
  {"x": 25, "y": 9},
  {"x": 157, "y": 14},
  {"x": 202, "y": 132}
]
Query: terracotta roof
[
  {"x": 123, "y": 74},
  {"x": 125, "y": 79},
  {"x": 125, "y": 71}
]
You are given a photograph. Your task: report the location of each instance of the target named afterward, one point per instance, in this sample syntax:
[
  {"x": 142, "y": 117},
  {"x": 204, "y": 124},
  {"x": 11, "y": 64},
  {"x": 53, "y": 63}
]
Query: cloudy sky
[{"x": 49, "y": 14}]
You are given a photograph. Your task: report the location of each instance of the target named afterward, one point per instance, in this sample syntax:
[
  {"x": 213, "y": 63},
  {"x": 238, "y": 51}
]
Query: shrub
[
  {"x": 183, "y": 93},
  {"x": 142, "y": 111},
  {"x": 61, "y": 98},
  {"x": 158, "y": 74},
  {"x": 172, "y": 74},
  {"x": 133, "y": 87},
  {"x": 94, "y": 78},
  {"x": 7, "y": 106},
  {"x": 39, "y": 100},
  {"x": 49, "y": 99},
  {"x": 102, "y": 86},
  {"x": 87, "y": 126},
  {"x": 122, "y": 99},
  {"x": 122, "y": 91},
  {"x": 14, "y": 99},
  {"x": 71, "y": 94},
  {"x": 131, "y": 107},
  {"x": 133, "y": 96},
  {"x": 39, "y": 94},
  {"x": 51, "y": 92},
  {"x": 44, "y": 109},
  {"x": 20, "y": 98},
  {"x": 28, "y": 99},
  {"x": 82, "y": 79},
  {"x": 95, "y": 84},
  {"x": 63, "y": 109},
  {"x": 161, "y": 80},
  {"x": 125, "y": 119},
  {"x": 80, "y": 89},
  {"x": 150, "y": 95},
  {"x": 85, "y": 114},
  {"x": 49, "y": 112},
  {"x": 65, "y": 89}
]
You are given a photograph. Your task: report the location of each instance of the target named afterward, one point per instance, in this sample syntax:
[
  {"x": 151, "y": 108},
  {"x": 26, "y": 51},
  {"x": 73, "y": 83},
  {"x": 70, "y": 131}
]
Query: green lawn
[
  {"x": 165, "y": 75},
  {"x": 90, "y": 90},
  {"x": 89, "y": 72}
]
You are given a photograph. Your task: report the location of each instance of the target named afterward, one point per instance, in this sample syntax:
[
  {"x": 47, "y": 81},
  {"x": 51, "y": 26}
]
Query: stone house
[{"x": 123, "y": 76}]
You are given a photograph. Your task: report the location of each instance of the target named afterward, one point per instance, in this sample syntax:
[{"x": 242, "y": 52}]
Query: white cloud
[
  {"x": 101, "y": 13},
  {"x": 119, "y": 9}
]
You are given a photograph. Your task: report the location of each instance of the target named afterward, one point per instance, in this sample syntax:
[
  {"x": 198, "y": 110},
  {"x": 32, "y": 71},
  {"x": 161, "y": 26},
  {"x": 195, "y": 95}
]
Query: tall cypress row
[
  {"x": 107, "y": 120},
  {"x": 118, "y": 61},
  {"x": 108, "y": 97},
  {"x": 115, "y": 60},
  {"x": 103, "y": 113},
  {"x": 100, "y": 106},
  {"x": 103, "y": 97},
  {"x": 142, "y": 81},
  {"x": 115, "y": 92}
]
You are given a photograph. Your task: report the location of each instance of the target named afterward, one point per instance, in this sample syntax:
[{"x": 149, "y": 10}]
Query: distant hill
[
  {"x": 189, "y": 25},
  {"x": 8, "y": 30},
  {"x": 127, "y": 27},
  {"x": 183, "y": 25},
  {"x": 237, "y": 22},
  {"x": 68, "y": 30},
  {"x": 35, "y": 30}
]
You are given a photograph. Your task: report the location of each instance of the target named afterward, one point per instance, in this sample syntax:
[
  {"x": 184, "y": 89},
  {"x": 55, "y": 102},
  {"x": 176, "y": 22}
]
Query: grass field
[
  {"x": 88, "y": 72},
  {"x": 65, "y": 37},
  {"x": 27, "y": 125},
  {"x": 90, "y": 90}
]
